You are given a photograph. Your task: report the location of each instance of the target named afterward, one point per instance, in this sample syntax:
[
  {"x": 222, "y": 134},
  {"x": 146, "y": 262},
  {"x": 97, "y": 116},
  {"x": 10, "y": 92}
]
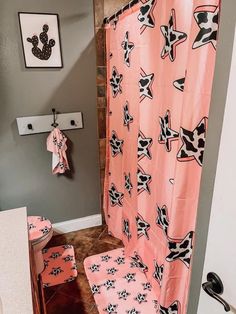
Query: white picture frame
[{"x": 40, "y": 35}]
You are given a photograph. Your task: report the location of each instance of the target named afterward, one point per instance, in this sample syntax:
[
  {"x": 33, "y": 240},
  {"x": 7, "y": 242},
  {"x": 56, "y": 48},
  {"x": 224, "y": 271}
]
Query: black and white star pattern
[
  {"x": 116, "y": 144},
  {"x": 144, "y": 145},
  {"x": 94, "y": 267},
  {"x": 144, "y": 180},
  {"x": 172, "y": 309},
  {"x": 111, "y": 308},
  {"x": 105, "y": 258},
  {"x": 172, "y": 38},
  {"x": 136, "y": 261},
  {"x": 145, "y": 85},
  {"x": 120, "y": 260},
  {"x": 146, "y": 17},
  {"x": 128, "y": 184},
  {"x": 193, "y": 143},
  {"x": 115, "y": 82},
  {"x": 147, "y": 286},
  {"x": 109, "y": 284},
  {"x": 115, "y": 196},
  {"x": 133, "y": 311},
  {"x": 179, "y": 84},
  {"x": 181, "y": 250},
  {"x": 167, "y": 135},
  {"x": 130, "y": 277},
  {"x": 158, "y": 272},
  {"x": 95, "y": 289},
  {"x": 112, "y": 271},
  {"x": 141, "y": 297},
  {"x": 142, "y": 227},
  {"x": 207, "y": 18},
  {"x": 123, "y": 294},
  {"x": 127, "y": 116},
  {"x": 162, "y": 219},
  {"x": 126, "y": 229},
  {"x": 128, "y": 46}
]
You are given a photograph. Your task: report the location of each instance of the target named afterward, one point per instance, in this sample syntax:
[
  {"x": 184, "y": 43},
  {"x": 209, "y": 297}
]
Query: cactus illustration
[{"x": 46, "y": 51}]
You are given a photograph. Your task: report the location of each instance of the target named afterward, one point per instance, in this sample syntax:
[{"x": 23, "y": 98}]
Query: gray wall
[
  {"x": 219, "y": 94},
  {"x": 25, "y": 165}
]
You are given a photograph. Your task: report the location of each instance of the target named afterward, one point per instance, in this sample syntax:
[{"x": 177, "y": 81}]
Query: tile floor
[{"x": 76, "y": 297}]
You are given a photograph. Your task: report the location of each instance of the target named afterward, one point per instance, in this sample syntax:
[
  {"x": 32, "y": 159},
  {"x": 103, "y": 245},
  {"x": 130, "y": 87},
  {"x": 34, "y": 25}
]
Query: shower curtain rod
[{"x": 129, "y": 5}]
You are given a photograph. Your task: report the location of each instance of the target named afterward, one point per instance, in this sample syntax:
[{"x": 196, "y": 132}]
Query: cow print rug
[{"x": 117, "y": 286}]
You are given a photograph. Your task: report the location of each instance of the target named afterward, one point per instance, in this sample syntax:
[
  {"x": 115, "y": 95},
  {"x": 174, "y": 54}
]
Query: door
[{"x": 221, "y": 241}]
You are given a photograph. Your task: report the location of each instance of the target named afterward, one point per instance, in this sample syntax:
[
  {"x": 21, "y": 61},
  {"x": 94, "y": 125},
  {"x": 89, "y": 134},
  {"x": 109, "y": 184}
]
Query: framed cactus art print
[{"x": 40, "y": 35}]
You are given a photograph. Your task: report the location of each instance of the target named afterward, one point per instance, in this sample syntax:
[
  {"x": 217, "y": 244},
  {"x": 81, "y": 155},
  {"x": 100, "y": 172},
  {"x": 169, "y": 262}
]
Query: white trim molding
[{"x": 77, "y": 224}]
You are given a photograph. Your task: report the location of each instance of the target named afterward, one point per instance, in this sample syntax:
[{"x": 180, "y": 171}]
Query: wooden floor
[{"x": 76, "y": 297}]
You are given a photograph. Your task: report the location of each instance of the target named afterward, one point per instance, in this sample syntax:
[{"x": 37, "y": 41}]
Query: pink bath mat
[
  {"x": 118, "y": 284},
  {"x": 60, "y": 265}
]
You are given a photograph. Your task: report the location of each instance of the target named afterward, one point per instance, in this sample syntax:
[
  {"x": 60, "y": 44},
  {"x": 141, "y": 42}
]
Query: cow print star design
[
  {"x": 145, "y": 85},
  {"x": 120, "y": 260},
  {"x": 130, "y": 277},
  {"x": 181, "y": 250},
  {"x": 167, "y": 135},
  {"x": 158, "y": 273},
  {"x": 68, "y": 258},
  {"x": 172, "y": 38},
  {"x": 45, "y": 230},
  {"x": 127, "y": 117},
  {"x": 115, "y": 196},
  {"x": 105, "y": 258},
  {"x": 147, "y": 286},
  {"x": 111, "y": 308},
  {"x": 144, "y": 180},
  {"x": 128, "y": 46},
  {"x": 115, "y": 82},
  {"x": 136, "y": 261},
  {"x": 162, "y": 219},
  {"x": 133, "y": 311},
  {"x": 116, "y": 144},
  {"x": 208, "y": 21},
  {"x": 95, "y": 289},
  {"x": 144, "y": 145},
  {"x": 111, "y": 271},
  {"x": 56, "y": 271},
  {"x": 142, "y": 227},
  {"x": 126, "y": 229},
  {"x": 123, "y": 295},
  {"x": 193, "y": 143},
  {"x": 172, "y": 309},
  {"x": 109, "y": 284},
  {"x": 128, "y": 184},
  {"x": 141, "y": 297},
  {"x": 146, "y": 17},
  {"x": 55, "y": 255},
  {"x": 94, "y": 267},
  {"x": 179, "y": 84}
]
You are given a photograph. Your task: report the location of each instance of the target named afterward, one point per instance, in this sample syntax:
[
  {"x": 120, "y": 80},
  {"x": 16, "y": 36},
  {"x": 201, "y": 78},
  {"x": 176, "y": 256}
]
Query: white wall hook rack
[{"x": 43, "y": 123}]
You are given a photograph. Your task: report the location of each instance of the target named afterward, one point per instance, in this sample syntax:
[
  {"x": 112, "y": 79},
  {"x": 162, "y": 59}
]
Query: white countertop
[{"x": 15, "y": 281}]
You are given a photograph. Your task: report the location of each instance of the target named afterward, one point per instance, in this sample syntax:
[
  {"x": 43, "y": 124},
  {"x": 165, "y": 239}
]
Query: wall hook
[{"x": 54, "y": 124}]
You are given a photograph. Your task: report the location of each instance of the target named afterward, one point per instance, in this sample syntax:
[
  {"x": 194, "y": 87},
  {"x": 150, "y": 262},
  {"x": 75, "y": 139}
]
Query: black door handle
[{"x": 214, "y": 287}]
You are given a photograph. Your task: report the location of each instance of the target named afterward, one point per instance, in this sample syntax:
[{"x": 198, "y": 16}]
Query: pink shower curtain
[{"x": 160, "y": 65}]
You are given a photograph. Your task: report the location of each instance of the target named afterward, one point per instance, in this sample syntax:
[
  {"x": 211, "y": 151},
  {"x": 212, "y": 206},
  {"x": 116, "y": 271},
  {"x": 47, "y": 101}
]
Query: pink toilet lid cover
[{"x": 38, "y": 227}]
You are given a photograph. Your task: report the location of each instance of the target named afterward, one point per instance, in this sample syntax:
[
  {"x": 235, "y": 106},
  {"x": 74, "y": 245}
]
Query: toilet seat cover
[{"x": 38, "y": 227}]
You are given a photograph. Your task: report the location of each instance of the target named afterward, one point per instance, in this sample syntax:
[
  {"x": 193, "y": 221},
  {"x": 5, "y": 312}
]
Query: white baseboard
[{"x": 77, "y": 224}]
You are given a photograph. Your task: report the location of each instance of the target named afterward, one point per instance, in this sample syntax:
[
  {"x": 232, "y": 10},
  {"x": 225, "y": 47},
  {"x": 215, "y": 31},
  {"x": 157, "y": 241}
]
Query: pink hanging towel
[{"x": 56, "y": 143}]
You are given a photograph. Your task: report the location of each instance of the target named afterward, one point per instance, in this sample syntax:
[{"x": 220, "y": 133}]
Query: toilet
[{"x": 40, "y": 233}]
